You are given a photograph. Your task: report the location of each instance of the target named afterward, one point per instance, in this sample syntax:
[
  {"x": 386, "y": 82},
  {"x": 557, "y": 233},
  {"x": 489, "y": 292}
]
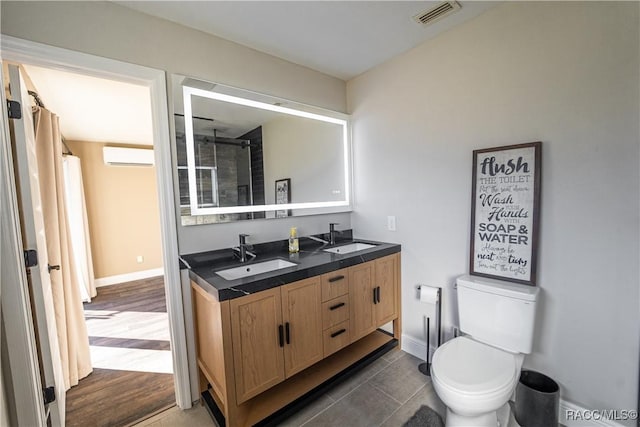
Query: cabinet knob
[
  {"x": 336, "y": 278},
  {"x": 281, "y": 335}
]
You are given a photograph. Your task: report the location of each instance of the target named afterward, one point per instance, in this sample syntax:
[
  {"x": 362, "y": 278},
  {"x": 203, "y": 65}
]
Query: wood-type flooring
[{"x": 126, "y": 322}]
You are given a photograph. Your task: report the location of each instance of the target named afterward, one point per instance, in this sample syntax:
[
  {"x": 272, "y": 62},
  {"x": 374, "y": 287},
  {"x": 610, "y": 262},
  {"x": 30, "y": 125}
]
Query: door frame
[
  {"x": 33, "y": 53},
  {"x": 20, "y": 337}
]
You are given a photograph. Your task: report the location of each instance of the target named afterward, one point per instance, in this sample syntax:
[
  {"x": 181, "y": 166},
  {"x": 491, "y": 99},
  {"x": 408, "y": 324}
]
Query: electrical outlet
[
  {"x": 139, "y": 259},
  {"x": 391, "y": 223}
]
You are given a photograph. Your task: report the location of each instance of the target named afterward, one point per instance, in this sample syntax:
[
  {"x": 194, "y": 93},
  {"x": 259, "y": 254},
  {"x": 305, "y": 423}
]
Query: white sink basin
[
  {"x": 351, "y": 247},
  {"x": 253, "y": 269}
]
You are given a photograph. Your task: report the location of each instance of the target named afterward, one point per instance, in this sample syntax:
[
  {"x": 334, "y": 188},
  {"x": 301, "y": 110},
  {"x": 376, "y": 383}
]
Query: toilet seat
[{"x": 467, "y": 367}]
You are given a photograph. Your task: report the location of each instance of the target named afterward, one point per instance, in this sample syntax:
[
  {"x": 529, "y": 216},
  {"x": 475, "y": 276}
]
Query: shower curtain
[
  {"x": 79, "y": 223},
  {"x": 70, "y": 324}
]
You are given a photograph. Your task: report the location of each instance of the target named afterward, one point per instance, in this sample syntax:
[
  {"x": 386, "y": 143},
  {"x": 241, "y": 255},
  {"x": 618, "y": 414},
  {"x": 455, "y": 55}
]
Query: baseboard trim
[
  {"x": 128, "y": 277},
  {"x": 415, "y": 347},
  {"x": 418, "y": 348}
]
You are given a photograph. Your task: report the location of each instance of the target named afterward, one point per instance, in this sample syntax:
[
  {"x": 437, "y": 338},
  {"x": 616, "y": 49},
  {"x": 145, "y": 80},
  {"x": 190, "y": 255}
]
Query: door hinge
[
  {"x": 14, "y": 110},
  {"x": 49, "y": 394},
  {"x": 30, "y": 258}
]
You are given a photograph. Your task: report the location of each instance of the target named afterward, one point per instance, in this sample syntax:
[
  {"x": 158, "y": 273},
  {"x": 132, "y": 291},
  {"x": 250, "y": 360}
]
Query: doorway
[
  {"x": 126, "y": 319},
  {"x": 33, "y": 53}
]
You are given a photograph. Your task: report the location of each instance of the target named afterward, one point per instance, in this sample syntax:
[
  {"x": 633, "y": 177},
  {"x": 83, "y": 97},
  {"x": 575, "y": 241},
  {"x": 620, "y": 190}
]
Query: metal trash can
[{"x": 537, "y": 400}]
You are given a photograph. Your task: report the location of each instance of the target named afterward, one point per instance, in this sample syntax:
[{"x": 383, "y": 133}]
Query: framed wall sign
[
  {"x": 283, "y": 196},
  {"x": 504, "y": 212}
]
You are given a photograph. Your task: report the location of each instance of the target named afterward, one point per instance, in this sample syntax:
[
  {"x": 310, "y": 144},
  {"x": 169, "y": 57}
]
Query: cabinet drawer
[
  {"x": 335, "y": 311},
  {"x": 335, "y": 284},
  {"x": 336, "y": 338}
]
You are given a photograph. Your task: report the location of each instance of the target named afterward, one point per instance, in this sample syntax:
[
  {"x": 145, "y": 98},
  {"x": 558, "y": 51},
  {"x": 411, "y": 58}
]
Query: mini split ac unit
[{"x": 120, "y": 156}]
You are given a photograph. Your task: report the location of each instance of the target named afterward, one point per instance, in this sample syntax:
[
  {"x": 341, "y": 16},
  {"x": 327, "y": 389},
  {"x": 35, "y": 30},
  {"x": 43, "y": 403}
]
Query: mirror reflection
[{"x": 254, "y": 156}]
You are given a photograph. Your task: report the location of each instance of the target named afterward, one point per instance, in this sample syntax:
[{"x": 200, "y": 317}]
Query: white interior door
[
  {"x": 34, "y": 238},
  {"x": 24, "y": 398}
]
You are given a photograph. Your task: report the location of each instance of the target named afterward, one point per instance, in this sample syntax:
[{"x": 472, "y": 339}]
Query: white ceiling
[
  {"x": 94, "y": 109},
  {"x": 339, "y": 38}
]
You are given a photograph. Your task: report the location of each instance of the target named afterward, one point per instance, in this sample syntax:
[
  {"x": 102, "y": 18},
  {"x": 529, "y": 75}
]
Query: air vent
[
  {"x": 121, "y": 156},
  {"x": 438, "y": 12}
]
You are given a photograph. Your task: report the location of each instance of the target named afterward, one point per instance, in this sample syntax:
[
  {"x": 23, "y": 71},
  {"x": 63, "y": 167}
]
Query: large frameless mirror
[{"x": 243, "y": 155}]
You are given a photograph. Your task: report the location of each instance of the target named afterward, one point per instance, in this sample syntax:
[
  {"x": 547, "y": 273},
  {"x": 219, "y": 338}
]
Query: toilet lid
[{"x": 472, "y": 367}]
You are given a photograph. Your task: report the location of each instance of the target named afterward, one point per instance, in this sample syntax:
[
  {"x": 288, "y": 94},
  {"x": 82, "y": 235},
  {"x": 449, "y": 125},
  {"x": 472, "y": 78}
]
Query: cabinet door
[
  {"x": 258, "y": 357},
  {"x": 302, "y": 316},
  {"x": 361, "y": 299},
  {"x": 386, "y": 308}
]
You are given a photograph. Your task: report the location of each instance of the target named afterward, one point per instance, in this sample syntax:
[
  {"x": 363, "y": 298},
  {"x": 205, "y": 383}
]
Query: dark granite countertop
[{"x": 311, "y": 261}]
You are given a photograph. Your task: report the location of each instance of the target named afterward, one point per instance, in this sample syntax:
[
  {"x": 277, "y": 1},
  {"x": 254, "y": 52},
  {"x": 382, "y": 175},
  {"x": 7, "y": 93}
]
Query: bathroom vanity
[{"x": 271, "y": 338}]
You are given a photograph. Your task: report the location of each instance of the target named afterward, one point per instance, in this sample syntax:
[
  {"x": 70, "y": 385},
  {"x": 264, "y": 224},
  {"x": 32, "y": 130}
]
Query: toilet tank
[{"x": 498, "y": 313}]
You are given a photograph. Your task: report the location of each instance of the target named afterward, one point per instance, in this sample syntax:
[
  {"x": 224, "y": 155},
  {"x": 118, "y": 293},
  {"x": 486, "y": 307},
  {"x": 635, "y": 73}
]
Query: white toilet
[{"x": 475, "y": 375}]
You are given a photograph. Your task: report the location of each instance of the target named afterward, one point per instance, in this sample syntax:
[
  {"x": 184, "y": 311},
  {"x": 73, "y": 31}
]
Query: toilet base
[
  {"x": 483, "y": 420},
  {"x": 499, "y": 418}
]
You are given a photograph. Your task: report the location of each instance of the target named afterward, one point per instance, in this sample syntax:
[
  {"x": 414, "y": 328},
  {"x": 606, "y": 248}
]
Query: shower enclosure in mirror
[{"x": 234, "y": 145}]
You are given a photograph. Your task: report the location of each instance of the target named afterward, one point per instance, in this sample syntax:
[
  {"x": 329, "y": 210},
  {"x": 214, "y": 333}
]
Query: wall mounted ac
[{"x": 121, "y": 156}]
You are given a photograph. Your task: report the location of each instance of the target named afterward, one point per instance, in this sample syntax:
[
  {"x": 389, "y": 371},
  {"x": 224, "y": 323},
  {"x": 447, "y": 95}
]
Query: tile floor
[{"x": 385, "y": 393}]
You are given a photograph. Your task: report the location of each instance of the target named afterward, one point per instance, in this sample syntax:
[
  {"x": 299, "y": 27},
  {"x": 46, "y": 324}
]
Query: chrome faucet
[
  {"x": 333, "y": 232},
  {"x": 242, "y": 247}
]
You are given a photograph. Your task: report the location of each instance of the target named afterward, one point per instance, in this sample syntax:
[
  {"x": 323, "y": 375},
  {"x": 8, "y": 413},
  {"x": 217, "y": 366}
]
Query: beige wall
[
  {"x": 122, "y": 206},
  {"x": 566, "y": 74}
]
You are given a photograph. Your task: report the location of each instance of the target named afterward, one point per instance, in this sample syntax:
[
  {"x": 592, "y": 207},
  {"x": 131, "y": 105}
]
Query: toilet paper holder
[{"x": 426, "y": 295}]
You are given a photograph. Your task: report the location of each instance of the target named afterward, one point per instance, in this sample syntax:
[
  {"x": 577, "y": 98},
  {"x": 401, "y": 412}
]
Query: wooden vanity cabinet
[
  {"x": 259, "y": 352},
  {"x": 361, "y": 298},
  {"x": 302, "y": 317},
  {"x": 373, "y": 293},
  {"x": 335, "y": 284},
  {"x": 257, "y": 348},
  {"x": 387, "y": 304},
  {"x": 276, "y": 334},
  {"x": 335, "y": 311}
]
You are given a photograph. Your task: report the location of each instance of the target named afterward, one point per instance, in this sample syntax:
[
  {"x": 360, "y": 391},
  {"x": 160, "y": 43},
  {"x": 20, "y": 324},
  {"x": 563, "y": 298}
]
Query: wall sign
[
  {"x": 283, "y": 195},
  {"x": 504, "y": 212}
]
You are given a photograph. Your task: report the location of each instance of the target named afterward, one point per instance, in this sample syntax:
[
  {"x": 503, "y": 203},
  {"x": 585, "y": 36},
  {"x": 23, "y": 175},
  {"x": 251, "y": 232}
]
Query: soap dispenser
[{"x": 293, "y": 241}]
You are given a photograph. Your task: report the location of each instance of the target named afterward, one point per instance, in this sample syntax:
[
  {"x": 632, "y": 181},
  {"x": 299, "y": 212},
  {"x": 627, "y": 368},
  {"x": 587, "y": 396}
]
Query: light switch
[
  {"x": 391, "y": 223},
  {"x": 140, "y": 259}
]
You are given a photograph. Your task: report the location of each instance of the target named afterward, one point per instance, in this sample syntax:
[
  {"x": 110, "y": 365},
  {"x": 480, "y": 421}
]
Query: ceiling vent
[{"x": 440, "y": 11}]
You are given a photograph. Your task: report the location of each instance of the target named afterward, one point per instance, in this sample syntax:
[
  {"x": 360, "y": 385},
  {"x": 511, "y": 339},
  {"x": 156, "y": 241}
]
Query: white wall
[
  {"x": 310, "y": 152},
  {"x": 563, "y": 73},
  {"x": 113, "y": 31}
]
